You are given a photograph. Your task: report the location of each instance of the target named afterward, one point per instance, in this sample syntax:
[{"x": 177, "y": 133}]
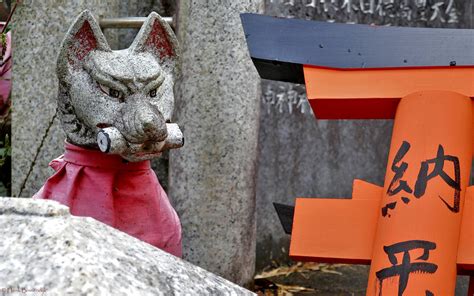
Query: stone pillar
[
  {"x": 37, "y": 136},
  {"x": 212, "y": 178}
]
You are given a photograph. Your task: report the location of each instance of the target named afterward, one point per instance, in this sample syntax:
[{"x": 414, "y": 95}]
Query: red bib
[{"x": 124, "y": 195}]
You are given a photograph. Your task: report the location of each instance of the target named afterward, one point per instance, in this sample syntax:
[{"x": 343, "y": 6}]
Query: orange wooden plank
[
  {"x": 333, "y": 230},
  {"x": 336, "y": 230},
  {"x": 365, "y": 190},
  {"x": 342, "y": 230},
  {"x": 356, "y": 94}
]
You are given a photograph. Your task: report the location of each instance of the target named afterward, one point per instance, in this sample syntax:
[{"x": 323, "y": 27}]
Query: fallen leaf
[
  {"x": 290, "y": 289},
  {"x": 299, "y": 267}
]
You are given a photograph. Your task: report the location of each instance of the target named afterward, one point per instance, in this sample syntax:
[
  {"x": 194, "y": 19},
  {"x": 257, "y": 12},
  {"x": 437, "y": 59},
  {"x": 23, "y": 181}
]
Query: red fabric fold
[{"x": 124, "y": 195}]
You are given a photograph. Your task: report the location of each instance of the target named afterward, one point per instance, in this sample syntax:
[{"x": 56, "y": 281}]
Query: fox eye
[
  {"x": 114, "y": 93},
  {"x": 153, "y": 93},
  {"x": 111, "y": 92}
]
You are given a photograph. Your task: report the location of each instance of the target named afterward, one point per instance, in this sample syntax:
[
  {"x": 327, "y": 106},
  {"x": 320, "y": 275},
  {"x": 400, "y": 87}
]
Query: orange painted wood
[
  {"x": 311, "y": 240},
  {"x": 336, "y": 230},
  {"x": 356, "y": 231},
  {"x": 333, "y": 230},
  {"x": 375, "y": 93},
  {"x": 425, "y": 120},
  {"x": 465, "y": 259}
]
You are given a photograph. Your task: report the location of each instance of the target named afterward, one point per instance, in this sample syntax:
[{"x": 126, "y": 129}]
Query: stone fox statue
[{"x": 116, "y": 107}]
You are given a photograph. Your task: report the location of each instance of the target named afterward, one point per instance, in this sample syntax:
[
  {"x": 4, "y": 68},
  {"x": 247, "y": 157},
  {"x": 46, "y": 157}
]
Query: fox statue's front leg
[{"x": 116, "y": 107}]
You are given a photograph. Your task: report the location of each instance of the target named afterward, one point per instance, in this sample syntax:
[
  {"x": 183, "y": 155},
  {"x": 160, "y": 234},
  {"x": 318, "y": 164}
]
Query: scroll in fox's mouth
[{"x": 111, "y": 141}]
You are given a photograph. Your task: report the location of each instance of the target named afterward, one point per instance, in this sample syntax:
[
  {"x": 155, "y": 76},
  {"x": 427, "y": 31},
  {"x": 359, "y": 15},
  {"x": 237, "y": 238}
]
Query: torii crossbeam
[{"x": 417, "y": 231}]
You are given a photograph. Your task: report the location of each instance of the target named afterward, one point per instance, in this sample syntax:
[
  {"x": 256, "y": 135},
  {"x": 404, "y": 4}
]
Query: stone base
[{"x": 46, "y": 250}]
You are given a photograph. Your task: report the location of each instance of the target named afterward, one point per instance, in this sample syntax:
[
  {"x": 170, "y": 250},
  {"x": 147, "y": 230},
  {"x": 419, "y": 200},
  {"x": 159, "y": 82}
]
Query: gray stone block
[
  {"x": 212, "y": 178},
  {"x": 44, "y": 249}
]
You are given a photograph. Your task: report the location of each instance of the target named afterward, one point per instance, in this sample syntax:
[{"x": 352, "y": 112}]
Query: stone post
[{"x": 212, "y": 178}]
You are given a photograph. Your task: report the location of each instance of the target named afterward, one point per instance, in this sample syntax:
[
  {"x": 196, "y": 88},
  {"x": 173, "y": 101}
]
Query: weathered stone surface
[
  {"x": 212, "y": 178},
  {"x": 116, "y": 105},
  {"x": 39, "y": 28},
  {"x": 53, "y": 146},
  {"x": 141, "y": 8},
  {"x": 429, "y": 13},
  {"x": 302, "y": 157},
  {"x": 44, "y": 249},
  {"x": 119, "y": 101},
  {"x": 126, "y": 36}
]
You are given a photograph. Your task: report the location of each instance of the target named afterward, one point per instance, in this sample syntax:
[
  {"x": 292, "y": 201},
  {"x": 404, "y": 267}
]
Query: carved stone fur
[{"x": 129, "y": 91}]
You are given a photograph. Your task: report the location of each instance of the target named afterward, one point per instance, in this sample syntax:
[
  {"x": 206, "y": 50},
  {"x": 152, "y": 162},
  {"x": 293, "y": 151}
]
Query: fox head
[{"x": 128, "y": 92}]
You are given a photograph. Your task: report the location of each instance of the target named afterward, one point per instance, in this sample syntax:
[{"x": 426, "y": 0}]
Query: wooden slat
[
  {"x": 277, "y": 43},
  {"x": 374, "y": 94},
  {"x": 336, "y": 230},
  {"x": 343, "y": 230}
]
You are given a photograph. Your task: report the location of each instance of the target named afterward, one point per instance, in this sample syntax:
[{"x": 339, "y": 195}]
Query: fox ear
[
  {"x": 157, "y": 38},
  {"x": 83, "y": 37}
]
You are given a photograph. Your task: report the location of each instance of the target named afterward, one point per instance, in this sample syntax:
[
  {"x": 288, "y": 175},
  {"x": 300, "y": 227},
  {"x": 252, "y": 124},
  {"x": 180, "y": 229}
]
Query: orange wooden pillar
[
  {"x": 417, "y": 231},
  {"x": 421, "y": 207}
]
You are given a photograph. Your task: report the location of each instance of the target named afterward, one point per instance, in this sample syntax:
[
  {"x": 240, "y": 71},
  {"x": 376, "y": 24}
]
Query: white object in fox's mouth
[
  {"x": 103, "y": 140},
  {"x": 111, "y": 141}
]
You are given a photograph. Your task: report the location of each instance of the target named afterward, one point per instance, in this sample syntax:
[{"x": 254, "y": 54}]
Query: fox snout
[
  {"x": 142, "y": 122},
  {"x": 140, "y": 133}
]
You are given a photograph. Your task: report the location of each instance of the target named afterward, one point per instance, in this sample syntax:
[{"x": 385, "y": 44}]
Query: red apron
[{"x": 124, "y": 195}]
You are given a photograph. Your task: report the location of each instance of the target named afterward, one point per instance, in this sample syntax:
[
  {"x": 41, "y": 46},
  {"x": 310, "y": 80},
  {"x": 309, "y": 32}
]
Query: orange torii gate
[{"x": 416, "y": 231}]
